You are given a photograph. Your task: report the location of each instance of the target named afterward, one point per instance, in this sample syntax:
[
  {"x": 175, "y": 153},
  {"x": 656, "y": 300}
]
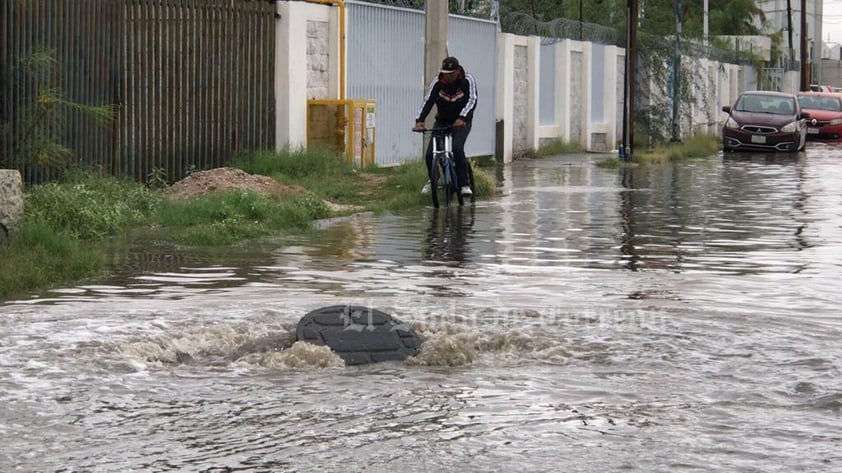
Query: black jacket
[{"x": 455, "y": 100}]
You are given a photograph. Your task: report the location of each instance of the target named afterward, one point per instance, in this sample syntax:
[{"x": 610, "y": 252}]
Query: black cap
[{"x": 449, "y": 64}]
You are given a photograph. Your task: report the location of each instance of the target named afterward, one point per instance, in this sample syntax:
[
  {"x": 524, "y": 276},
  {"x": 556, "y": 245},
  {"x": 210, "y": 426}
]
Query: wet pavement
[{"x": 676, "y": 317}]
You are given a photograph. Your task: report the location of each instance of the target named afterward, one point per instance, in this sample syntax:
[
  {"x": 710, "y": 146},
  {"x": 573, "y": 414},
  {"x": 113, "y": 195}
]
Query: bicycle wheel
[
  {"x": 449, "y": 180},
  {"x": 435, "y": 179}
]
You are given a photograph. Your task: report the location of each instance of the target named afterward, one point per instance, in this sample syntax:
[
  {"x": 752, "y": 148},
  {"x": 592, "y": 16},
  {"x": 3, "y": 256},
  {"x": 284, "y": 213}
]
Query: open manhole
[{"x": 359, "y": 334}]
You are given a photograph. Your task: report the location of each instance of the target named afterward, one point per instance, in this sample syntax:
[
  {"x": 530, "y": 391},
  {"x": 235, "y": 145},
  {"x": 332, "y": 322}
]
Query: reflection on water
[
  {"x": 731, "y": 220},
  {"x": 670, "y": 317},
  {"x": 447, "y": 233}
]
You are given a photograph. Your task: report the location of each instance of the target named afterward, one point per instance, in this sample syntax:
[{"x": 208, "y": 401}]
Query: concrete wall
[
  {"x": 832, "y": 71},
  {"x": 518, "y": 63},
  {"x": 586, "y": 91}
]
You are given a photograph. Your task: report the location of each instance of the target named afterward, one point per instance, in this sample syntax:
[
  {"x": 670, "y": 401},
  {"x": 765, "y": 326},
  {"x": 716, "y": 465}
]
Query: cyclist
[{"x": 454, "y": 93}]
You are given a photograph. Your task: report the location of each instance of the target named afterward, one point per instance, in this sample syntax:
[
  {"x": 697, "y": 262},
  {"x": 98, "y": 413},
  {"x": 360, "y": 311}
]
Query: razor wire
[
  {"x": 557, "y": 29},
  {"x": 560, "y": 29}
]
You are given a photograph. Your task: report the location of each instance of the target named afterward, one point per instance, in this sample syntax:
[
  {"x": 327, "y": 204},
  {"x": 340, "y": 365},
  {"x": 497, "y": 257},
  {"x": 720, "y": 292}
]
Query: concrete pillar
[
  {"x": 505, "y": 92},
  {"x": 291, "y": 68},
  {"x": 533, "y": 45},
  {"x": 587, "y": 90},
  {"x": 11, "y": 201},
  {"x": 563, "y": 92},
  {"x": 612, "y": 97}
]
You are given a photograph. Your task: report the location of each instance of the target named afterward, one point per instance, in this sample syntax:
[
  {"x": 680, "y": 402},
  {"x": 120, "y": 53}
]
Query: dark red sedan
[{"x": 765, "y": 121}]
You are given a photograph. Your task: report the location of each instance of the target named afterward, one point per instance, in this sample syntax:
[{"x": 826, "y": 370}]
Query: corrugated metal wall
[
  {"x": 199, "y": 81},
  {"x": 474, "y": 42},
  {"x": 386, "y": 63},
  {"x": 193, "y": 80},
  {"x": 84, "y": 40}
]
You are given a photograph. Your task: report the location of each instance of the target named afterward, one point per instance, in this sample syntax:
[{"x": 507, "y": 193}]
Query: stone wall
[
  {"x": 577, "y": 98},
  {"x": 521, "y": 100},
  {"x": 318, "y": 60},
  {"x": 11, "y": 200}
]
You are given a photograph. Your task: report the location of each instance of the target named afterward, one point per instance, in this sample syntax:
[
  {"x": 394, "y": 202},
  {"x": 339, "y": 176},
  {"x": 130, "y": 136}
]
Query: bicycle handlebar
[{"x": 440, "y": 129}]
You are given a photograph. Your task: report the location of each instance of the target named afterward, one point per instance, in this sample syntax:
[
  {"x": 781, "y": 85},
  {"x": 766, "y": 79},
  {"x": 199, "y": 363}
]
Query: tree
[{"x": 33, "y": 134}]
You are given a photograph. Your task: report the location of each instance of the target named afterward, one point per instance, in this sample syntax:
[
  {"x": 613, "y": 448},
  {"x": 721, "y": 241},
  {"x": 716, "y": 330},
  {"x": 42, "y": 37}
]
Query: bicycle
[{"x": 444, "y": 168}]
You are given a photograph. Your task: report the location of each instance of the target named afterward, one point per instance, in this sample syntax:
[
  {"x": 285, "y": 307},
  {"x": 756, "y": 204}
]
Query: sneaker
[
  {"x": 466, "y": 190},
  {"x": 426, "y": 189}
]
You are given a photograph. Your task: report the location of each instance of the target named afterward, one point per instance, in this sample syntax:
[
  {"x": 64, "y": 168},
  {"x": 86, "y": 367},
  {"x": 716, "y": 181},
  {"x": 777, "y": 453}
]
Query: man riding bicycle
[{"x": 454, "y": 93}]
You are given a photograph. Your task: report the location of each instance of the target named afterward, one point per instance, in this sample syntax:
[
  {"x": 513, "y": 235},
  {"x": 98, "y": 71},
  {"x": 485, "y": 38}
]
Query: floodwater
[{"x": 666, "y": 318}]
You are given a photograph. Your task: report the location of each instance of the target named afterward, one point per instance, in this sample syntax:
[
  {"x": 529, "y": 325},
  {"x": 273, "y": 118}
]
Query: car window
[
  {"x": 749, "y": 103},
  {"x": 766, "y": 104},
  {"x": 831, "y": 104},
  {"x": 808, "y": 101},
  {"x": 785, "y": 107}
]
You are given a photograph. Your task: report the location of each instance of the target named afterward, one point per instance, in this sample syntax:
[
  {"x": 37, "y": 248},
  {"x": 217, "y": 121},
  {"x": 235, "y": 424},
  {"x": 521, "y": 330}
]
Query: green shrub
[
  {"x": 293, "y": 164},
  {"x": 89, "y": 207},
  {"x": 552, "y": 149},
  {"x": 39, "y": 256},
  {"x": 222, "y": 218}
]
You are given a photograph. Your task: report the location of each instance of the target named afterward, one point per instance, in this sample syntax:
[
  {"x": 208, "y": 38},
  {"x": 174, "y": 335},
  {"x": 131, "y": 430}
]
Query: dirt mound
[{"x": 223, "y": 179}]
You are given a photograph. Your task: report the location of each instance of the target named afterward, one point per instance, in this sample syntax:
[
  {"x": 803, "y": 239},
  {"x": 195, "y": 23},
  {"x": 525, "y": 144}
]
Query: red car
[
  {"x": 825, "y": 108},
  {"x": 762, "y": 120}
]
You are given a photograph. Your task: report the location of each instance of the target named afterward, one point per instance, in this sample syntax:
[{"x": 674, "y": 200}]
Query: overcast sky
[{"x": 832, "y": 21}]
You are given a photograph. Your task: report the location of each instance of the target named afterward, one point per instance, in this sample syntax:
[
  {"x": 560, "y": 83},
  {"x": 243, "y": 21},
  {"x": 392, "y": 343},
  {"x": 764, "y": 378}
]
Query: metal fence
[{"x": 192, "y": 80}]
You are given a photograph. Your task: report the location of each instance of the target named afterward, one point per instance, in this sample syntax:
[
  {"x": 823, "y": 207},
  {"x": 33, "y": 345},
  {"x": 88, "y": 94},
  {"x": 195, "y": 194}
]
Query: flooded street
[{"x": 667, "y": 318}]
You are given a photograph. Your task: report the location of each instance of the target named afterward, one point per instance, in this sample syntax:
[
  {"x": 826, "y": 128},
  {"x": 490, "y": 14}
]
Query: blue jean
[{"x": 460, "y": 135}]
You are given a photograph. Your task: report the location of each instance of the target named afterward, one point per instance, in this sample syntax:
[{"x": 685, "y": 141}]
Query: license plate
[
  {"x": 759, "y": 139},
  {"x": 812, "y": 131}
]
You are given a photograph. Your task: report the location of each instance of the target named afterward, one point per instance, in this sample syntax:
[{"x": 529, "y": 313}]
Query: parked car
[
  {"x": 825, "y": 109},
  {"x": 765, "y": 121},
  {"x": 821, "y": 88}
]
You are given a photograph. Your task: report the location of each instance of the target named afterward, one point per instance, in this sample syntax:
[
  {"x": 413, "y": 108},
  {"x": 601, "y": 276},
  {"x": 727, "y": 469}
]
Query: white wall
[
  {"x": 294, "y": 56},
  {"x": 517, "y": 85},
  {"x": 576, "y": 83}
]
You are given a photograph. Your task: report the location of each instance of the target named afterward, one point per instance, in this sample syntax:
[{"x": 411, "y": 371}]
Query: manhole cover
[{"x": 359, "y": 334}]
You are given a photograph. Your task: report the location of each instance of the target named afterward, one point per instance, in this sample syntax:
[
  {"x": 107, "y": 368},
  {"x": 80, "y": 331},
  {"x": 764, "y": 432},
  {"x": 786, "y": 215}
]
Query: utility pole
[
  {"x": 435, "y": 39},
  {"x": 626, "y": 148},
  {"x": 789, "y": 30},
  {"x": 805, "y": 63}
]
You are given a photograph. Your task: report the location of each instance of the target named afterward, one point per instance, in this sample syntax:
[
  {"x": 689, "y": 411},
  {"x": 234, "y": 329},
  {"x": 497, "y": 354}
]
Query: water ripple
[{"x": 674, "y": 317}]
